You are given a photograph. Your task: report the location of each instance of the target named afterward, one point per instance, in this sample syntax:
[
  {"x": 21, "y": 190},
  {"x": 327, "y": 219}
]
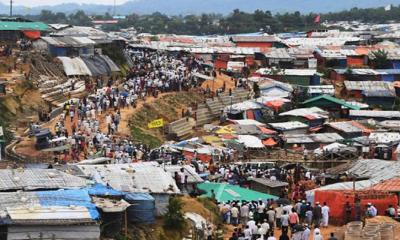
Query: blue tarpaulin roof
[
  {"x": 67, "y": 198},
  {"x": 99, "y": 189}
]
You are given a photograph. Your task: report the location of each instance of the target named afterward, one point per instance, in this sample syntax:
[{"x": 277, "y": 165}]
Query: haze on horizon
[{"x": 35, "y": 3}]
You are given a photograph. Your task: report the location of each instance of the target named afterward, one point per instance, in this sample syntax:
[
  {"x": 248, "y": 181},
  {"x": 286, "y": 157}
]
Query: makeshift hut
[
  {"x": 66, "y": 214},
  {"x": 292, "y": 127},
  {"x": 146, "y": 177},
  {"x": 313, "y": 116},
  {"x": 337, "y": 199},
  {"x": 267, "y": 186}
]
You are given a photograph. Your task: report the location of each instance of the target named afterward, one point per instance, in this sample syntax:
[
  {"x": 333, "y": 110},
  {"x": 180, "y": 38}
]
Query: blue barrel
[
  {"x": 315, "y": 80},
  {"x": 143, "y": 208}
]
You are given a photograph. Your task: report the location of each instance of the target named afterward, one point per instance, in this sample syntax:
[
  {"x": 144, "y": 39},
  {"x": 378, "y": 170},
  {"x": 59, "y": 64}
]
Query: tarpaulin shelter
[
  {"x": 62, "y": 214},
  {"x": 226, "y": 130},
  {"x": 337, "y": 199},
  {"x": 75, "y": 66},
  {"x": 250, "y": 141},
  {"x": 276, "y": 104},
  {"x": 225, "y": 192},
  {"x": 269, "y": 142},
  {"x": 100, "y": 65}
]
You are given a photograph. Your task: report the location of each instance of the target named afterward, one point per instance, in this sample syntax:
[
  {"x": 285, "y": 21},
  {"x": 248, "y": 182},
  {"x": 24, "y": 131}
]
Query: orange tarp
[
  {"x": 275, "y": 104},
  {"x": 336, "y": 200},
  {"x": 362, "y": 127},
  {"x": 269, "y": 142},
  {"x": 266, "y": 130},
  {"x": 32, "y": 34}
]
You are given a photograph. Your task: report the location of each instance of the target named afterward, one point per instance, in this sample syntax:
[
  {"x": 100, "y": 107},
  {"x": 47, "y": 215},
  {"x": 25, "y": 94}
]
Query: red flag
[{"x": 317, "y": 19}]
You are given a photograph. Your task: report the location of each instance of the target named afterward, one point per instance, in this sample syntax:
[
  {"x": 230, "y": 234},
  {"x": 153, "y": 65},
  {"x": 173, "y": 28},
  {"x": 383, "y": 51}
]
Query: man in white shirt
[
  {"x": 306, "y": 233},
  {"x": 244, "y": 213},
  {"x": 247, "y": 233},
  {"x": 252, "y": 225},
  {"x": 325, "y": 215},
  {"x": 265, "y": 226}
]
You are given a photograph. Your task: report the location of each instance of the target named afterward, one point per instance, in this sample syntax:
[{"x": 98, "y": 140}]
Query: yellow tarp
[
  {"x": 212, "y": 140},
  {"x": 226, "y": 130},
  {"x": 156, "y": 123}
]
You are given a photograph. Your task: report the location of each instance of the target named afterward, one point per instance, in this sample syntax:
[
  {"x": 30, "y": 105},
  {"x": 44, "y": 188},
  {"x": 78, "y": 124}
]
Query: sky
[{"x": 33, "y": 3}]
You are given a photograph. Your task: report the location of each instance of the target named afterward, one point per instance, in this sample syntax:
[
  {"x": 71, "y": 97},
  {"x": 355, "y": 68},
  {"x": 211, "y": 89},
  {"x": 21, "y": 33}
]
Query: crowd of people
[{"x": 153, "y": 72}]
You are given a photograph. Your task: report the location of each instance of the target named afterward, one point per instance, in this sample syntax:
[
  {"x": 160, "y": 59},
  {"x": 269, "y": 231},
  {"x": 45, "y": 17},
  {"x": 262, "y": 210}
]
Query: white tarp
[
  {"x": 75, "y": 66},
  {"x": 333, "y": 147},
  {"x": 248, "y": 122},
  {"x": 242, "y": 106},
  {"x": 250, "y": 141}
]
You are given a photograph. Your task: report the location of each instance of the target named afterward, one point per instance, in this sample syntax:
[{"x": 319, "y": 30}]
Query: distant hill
[{"x": 174, "y": 7}]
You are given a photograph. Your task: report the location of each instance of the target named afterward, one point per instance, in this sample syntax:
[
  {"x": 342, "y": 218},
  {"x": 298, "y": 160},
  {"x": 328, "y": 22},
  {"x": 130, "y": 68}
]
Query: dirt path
[{"x": 219, "y": 82}]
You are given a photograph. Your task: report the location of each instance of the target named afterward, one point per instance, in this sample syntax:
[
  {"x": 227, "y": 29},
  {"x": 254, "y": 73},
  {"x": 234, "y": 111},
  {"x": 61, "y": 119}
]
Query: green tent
[
  {"x": 226, "y": 192},
  {"x": 327, "y": 101}
]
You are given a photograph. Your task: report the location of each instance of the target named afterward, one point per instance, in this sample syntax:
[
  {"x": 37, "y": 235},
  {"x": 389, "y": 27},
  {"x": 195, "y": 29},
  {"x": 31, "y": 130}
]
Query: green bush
[{"x": 174, "y": 218}]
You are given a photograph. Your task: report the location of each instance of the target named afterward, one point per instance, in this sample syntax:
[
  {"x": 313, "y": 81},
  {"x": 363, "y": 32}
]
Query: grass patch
[
  {"x": 168, "y": 108},
  {"x": 145, "y": 138}
]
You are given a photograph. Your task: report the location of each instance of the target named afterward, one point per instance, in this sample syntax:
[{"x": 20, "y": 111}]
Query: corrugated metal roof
[
  {"x": 374, "y": 114},
  {"x": 135, "y": 177},
  {"x": 391, "y": 185},
  {"x": 79, "y": 31},
  {"x": 289, "y": 72},
  {"x": 269, "y": 183},
  {"x": 314, "y": 112},
  {"x": 313, "y": 138},
  {"x": 255, "y": 39},
  {"x": 322, "y": 89},
  {"x": 347, "y": 127},
  {"x": 329, "y": 41},
  {"x": 288, "y": 125},
  {"x": 75, "y": 66},
  {"x": 368, "y": 85},
  {"x": 68, "y": 41},
  {"x": 189, "y": 171},
  {"x": 384, "y": 137},
  {"x": 30, "y": 179},
  {"x": 278, "y": 53},
  {"x": 49, "y": 205}
]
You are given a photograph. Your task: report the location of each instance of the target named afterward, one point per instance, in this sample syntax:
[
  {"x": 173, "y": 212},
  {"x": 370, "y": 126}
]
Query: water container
[{"x": 142, "y": 209}]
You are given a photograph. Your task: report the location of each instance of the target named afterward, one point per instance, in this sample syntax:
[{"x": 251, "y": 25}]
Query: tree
[
  {"x": 174, "y": 217},
  {"x": 380, "y": 59},
  {"x": 80, "y": 19}
]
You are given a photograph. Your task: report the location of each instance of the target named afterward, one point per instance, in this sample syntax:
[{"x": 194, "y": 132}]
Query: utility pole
[
  {"x": 115, "y": 7},
  {"x": 11, "y": 3}
]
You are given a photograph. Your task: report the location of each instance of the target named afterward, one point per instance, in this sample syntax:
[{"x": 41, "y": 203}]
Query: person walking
[{"x": 325, "y": 215}]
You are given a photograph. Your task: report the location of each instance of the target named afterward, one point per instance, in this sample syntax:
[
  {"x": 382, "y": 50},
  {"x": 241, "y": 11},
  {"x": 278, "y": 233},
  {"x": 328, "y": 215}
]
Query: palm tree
[{"x": 380, "y": 59}]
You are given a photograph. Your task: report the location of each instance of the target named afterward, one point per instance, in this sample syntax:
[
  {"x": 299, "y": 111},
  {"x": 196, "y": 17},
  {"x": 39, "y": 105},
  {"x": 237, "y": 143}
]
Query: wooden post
[{"x": 126, "y": 222}]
